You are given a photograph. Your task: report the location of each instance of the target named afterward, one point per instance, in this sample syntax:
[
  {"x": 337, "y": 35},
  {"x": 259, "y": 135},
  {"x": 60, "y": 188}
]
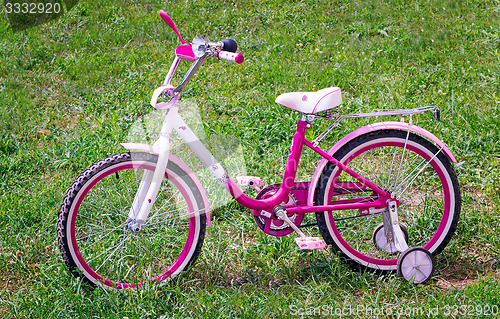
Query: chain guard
[{"x": 270, "y": 225}]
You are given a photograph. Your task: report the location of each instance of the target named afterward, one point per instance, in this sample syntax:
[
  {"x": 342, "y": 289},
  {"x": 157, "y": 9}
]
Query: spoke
[
  {"x": 90, "y": 235},
  {"x": 107, "y": 200},
  {"x": 164, "y": 227},
  {"x": 390, "y": 170},
  {"x": 366, "y": 171},
  {"x": 166, "y": 203},
  {"x": 119, "y": 276},
  {"x": 92, "y": 229},
  {"x": 420, "y": 187},
  {"x": 374, "y": 251},
  {"x": 157, "y": 215},
  {"x": 351, "y": 192},
  {"x": 110, "y": 255},
  {"x": 416, "y": 157},
  {"x": 420, "y": 196},
  {"x": 365, "y": 175},
  {"x": 418, "y": 173},
  {"x": 116, "y": 212},
  {"x": 104, "y": 252},
  {"x": 153, "y": 255},
  {"x": 129, "y": 195},
  {"x": 100, "y": 225},
  {"x": 428, "y": 231},
  {"x": 426, "y": 218},
  {"x": 104, "y": 229},
  {"x": 136, "y": 257},
  {"x": 361, "y": 241},
  {"x": 403, "y": 155},
  {"x": 186, "y": 215},
  {"x": 104, "y": 209},
  {"x": 93, "y": 219},
  {"x": 357, "y": 216},
  {"x": 411, "y": 194},
  {"x": 354, "y": 233},
  {"x": 100, "y": 239},
  {"x": 350, "y": 228}
]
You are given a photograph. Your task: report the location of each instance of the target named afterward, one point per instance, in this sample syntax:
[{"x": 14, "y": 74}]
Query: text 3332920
[{"x": 30, "y": 7}]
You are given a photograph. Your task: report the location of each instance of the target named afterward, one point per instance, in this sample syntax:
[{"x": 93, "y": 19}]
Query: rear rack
[{"x": 377, "y": 112}]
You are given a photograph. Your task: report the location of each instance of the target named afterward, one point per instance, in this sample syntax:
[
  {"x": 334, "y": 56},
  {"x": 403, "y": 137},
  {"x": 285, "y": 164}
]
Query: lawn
[{"x": 74, "y": 88}]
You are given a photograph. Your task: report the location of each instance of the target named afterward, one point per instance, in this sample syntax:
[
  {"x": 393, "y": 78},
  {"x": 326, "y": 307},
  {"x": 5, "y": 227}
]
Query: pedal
[
  {"x": 303, "y": 241},
  {"x": 310, "y": 243},
  {"x": 251, "y": 181}
]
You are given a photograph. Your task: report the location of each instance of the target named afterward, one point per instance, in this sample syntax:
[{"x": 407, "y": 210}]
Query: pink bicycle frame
[{"x": 298, "y": 142}]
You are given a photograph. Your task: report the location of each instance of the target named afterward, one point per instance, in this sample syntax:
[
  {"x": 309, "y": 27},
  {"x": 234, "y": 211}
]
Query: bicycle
[{"x": 385, "y": 196}]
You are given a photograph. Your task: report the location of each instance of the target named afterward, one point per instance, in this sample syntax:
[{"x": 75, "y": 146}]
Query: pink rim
[
  {"x": 442, "y": 224},
  {"x": 168, "y": 271}
]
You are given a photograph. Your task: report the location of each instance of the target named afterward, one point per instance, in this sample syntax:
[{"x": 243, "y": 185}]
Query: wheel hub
[{"x": 133, "y": 226}]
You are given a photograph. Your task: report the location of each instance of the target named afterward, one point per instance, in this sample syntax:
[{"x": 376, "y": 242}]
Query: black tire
[
  {"x": 94, "y": 241},
  {"x": 429, "y": 203}
]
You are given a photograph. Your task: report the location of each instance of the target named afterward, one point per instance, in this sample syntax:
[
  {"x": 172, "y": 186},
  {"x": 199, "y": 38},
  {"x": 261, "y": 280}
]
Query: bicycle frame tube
[{"x": 146, "y": 197}]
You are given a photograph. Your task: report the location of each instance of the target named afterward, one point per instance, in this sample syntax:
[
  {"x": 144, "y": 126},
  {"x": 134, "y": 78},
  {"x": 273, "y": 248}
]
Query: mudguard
[
  {"x": 181, "y": 164},
  {"x": 370, "y": 128}
]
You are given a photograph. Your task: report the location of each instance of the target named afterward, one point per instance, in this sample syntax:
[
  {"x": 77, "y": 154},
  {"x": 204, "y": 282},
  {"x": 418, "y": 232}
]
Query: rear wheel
[
  {"x": 93, "y": 233},
  {"x": 418, "y": 174}
]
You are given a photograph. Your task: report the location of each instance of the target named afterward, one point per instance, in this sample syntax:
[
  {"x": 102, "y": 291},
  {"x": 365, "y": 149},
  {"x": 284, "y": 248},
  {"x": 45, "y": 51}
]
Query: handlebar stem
[
  {"x": 171, "y": 71},
  {"x": 190, "y": 73}
]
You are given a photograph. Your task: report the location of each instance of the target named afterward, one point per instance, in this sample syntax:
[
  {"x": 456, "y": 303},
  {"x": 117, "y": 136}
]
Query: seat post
[{"x": 309, "y": 118}]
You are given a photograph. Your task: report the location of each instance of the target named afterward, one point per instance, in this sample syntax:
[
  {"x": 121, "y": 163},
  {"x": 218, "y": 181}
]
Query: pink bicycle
[{"x": 385, "y": 196}]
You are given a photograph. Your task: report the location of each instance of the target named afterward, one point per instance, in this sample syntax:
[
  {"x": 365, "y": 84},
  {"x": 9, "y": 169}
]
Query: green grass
[{"x": 71, "y": 89}]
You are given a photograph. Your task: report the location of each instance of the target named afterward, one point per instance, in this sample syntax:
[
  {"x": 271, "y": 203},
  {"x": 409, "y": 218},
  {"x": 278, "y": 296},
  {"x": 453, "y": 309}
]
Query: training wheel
[
  {"x": 380, "y": 239},
  {"x": 416, "y": 264}
]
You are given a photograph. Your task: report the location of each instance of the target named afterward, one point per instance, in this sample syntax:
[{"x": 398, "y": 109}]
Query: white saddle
[{"x": 311, "y": 102}]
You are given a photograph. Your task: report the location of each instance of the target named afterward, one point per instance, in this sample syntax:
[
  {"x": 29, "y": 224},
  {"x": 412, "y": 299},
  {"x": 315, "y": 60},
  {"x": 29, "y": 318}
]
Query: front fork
[{"x": 151, "y": 181}]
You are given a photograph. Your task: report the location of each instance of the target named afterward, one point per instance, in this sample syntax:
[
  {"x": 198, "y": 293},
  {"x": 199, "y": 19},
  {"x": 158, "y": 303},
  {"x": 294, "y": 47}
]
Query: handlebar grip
[{"x": 231, "y": 57}]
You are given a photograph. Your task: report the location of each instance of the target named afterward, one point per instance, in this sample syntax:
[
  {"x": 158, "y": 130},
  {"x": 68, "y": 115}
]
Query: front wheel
[
  {"x": 93, "y": 234},
  {"x": 415, "y": 171}
]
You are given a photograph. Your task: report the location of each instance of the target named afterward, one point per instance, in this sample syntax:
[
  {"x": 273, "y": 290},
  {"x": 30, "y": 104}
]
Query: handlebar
[
  {"x": 224, "y": 50},
  {"x": 196, "y": 52}
]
